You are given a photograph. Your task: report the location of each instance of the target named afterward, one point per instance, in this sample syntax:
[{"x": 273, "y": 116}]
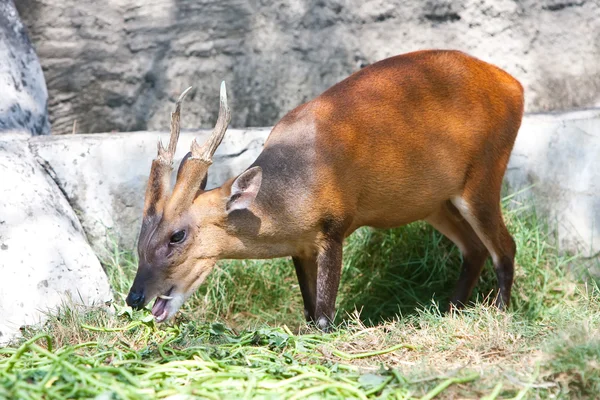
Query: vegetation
[{"x": 242, "y": 335}]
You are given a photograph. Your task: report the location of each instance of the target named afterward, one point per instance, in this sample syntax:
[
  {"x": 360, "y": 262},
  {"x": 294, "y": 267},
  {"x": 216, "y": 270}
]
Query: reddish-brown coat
[{"x": 421, "y": 136}]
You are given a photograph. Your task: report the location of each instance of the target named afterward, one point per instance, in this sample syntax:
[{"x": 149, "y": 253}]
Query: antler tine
[
  {"x": 166, "y": 155},
  {"x": 162, "y": 165},
  {"x": 207, "y": 150},
  {"x": 193, "y": 170}
]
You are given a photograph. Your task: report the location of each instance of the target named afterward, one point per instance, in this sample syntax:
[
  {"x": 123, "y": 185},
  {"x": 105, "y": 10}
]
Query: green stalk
[
  {"x": 495, "y": 392},
  {"x": 448, "y": 382},
  {"x": 321, "y": 388},
  {"x": 347, "y": 356},
  {"x": 102, "y": 329},
  {"x": 380, "y": 387},
  {"x": 15, "y": 357}
]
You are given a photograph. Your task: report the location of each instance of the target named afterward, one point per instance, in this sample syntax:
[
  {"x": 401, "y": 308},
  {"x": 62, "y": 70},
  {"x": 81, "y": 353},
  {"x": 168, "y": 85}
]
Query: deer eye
[{"x": 177, "y": 237}]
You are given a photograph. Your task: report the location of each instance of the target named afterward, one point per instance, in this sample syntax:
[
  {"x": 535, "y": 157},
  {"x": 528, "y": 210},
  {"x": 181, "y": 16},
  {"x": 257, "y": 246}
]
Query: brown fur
[{"x": 421, "y": 136}]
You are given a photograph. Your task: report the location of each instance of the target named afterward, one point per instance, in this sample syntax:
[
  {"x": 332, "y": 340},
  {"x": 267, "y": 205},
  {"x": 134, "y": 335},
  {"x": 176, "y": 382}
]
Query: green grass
[{"x": 243, "y": 335}]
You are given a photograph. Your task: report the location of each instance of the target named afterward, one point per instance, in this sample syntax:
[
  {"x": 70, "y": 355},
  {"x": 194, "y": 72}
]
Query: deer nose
[{"x": 136, "y": 300}]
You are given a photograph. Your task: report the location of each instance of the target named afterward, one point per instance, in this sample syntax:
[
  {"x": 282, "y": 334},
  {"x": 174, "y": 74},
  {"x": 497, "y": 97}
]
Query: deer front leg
[
  {"x": 306, "y": 271},
  {"x": 329, "y": 262}
]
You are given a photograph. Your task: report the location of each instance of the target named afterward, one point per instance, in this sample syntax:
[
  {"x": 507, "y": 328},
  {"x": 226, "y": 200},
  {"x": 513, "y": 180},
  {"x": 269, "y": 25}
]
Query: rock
[
  {"x": 45, "y": 258},
  {"x": 556, "y": 162},
  {"x": 120, "y": 65},
  {"x": 104, "y": 175},
  {"x": 23, "y": 99}
]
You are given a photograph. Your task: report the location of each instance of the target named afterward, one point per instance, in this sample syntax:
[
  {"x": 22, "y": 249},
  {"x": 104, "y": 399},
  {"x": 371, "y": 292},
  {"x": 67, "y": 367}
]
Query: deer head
[{"x": 184, "y": 233}]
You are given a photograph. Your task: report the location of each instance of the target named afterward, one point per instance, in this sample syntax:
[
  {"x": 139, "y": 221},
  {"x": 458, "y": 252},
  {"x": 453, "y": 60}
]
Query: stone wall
[
  {"x": 554, "y": 165},
  {"x": 120, "y": 64},
  {"x": 556, "y": 162}
]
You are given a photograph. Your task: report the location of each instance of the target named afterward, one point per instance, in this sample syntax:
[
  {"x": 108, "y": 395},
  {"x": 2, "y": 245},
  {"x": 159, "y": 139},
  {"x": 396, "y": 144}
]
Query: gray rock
[
  {"x": 556, "y": 162},
  {"x": 120, "y": 65},
  {"x": 23, "y": 96},
  {"x": 104, "y": 175},
  {"x": 45, "y": 258}
]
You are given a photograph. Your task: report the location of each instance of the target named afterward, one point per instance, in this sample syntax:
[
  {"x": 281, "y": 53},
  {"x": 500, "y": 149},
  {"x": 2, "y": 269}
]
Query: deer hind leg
[
  {"x": 480, "y": 206},
  {"x": 449, "y": 222}
]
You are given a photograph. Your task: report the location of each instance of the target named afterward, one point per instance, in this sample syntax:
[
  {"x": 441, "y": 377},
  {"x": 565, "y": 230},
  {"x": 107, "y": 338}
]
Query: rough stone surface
[
  {"x": 23, "y": 96},
  {"x": 120, "y": 65},
  {"x": 45, "y": 258},
  {"x": 104, "y": 175},
  {"x": 556, "y": 161}
]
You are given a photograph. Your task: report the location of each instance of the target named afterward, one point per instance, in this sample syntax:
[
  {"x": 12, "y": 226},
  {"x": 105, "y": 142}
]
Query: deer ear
[{"x": 244, "y": 189}]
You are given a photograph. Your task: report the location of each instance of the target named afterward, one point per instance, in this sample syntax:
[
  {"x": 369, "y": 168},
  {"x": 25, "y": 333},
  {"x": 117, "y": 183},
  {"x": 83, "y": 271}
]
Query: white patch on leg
[{"x": 465, "y": 210}]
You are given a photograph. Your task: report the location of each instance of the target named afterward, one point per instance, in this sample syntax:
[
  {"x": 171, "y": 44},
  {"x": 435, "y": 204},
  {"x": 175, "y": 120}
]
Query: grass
[{"x": 243, "y": 336}]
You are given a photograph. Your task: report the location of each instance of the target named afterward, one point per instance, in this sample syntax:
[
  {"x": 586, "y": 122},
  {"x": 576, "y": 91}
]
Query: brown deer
[{"x": 421, "y": 136}]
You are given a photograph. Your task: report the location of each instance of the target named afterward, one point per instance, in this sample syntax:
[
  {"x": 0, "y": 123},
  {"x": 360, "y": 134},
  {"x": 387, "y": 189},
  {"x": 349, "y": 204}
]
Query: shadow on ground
[{"x": 399, "y": 271}]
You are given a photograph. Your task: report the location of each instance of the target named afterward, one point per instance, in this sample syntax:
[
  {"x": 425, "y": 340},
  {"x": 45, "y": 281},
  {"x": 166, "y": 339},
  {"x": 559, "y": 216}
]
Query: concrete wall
[
  {"x": 555, "y": 158},
  {"x": 556, "y": 162}
]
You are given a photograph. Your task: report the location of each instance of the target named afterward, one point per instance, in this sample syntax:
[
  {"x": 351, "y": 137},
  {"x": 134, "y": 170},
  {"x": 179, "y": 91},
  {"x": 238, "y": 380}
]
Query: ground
[{"x": 242, "y": 335}]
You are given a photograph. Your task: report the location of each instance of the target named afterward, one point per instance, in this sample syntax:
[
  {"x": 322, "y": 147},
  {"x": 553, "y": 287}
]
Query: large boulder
[
  {"x": 45, "y": 259},
  {"x": 120, "y": 65},
  {"x": 104, "y": 175},
  {"x": 23, "y": 96}
]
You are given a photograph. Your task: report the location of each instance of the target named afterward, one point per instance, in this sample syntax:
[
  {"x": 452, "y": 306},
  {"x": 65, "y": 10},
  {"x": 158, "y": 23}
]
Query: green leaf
[
  {"x": 124, "y": 311},
  {"x": 218, "y": 329},
  {"x": 370, "y": 381}
]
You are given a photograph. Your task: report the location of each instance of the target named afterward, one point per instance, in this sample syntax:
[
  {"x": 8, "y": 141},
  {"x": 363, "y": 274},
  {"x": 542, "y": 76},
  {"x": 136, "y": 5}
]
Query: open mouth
[{"x": 160, "y": 309}]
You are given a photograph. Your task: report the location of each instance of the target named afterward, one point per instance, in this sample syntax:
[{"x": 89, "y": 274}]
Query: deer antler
[
  {"x": 165, "y": 156},
  {"x": 193, "y": 169},
  {"x": 207, "y": 150},
  {"x": 162, "y": 165}
]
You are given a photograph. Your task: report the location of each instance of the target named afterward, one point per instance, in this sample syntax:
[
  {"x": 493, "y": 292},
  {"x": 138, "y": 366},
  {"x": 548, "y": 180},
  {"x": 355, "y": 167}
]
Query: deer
[{"x": 425, "y": 135}]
